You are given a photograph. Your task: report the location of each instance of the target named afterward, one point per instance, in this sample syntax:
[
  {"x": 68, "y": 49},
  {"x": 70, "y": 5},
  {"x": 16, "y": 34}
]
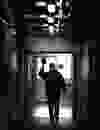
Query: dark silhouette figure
[{"x": 54, "y": 82}]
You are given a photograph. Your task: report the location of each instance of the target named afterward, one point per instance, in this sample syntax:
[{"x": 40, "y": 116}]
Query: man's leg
[
  {"x": 57, "y": 106},
  {"x": 57, "y": 111},
  {"x": 50, "y": 107}
]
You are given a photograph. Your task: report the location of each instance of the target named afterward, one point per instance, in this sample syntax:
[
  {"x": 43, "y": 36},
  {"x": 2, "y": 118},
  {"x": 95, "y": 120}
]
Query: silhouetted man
[{"x": 54, "y": 82}]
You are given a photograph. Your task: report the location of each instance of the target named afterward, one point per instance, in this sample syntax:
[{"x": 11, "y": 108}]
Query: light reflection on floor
[{"x": 41, "y": 114}]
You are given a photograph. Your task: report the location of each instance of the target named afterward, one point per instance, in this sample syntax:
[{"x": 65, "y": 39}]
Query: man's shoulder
[
  {"x": 60, "y": 77},
  {"x": 58, "y": 73}
]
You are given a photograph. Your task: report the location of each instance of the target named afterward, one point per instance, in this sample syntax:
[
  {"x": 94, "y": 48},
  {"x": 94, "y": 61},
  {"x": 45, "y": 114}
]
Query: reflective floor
[{"x": 40, "y": 115}]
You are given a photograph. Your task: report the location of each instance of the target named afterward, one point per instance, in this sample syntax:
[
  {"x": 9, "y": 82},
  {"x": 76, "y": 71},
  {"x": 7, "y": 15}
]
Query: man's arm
[
  {"x": 62, "y": 81},
  {"x": 43, "y": 74}
]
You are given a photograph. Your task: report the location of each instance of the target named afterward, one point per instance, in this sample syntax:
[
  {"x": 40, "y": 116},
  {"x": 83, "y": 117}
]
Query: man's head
[{"x": 52, "y": 66}]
